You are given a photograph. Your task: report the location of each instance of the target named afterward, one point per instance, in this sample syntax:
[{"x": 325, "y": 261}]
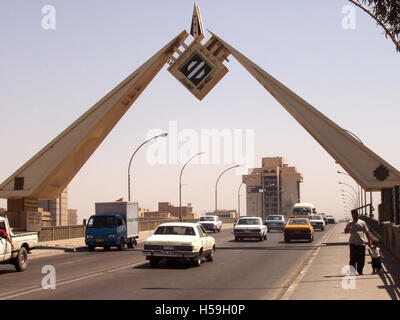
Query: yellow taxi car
[{"x": 298, "y": 228}]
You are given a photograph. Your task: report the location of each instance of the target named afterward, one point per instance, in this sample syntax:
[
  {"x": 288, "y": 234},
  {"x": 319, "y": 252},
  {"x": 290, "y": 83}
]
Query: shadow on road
[
  {"x": 165, "y": 265},
  {"x": 391, "y": 276}
]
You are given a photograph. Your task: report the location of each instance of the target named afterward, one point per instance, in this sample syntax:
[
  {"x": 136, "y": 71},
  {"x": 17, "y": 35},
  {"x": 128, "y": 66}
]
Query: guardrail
[
  {"x": 78, "y": 231},
  {"x": 61, "y": 233},
  {"x": 374, "y": 225}
]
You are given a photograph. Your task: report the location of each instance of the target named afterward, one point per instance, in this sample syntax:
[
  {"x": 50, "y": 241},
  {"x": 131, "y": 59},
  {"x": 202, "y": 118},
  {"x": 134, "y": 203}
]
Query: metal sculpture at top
[{"x": 199, "y": 68}]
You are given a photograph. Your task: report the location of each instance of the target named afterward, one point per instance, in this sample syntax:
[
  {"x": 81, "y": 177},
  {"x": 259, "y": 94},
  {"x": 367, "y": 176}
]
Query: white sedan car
[
  {"x": 181, "y": 241},
  {"x": 250, "y": 227}
]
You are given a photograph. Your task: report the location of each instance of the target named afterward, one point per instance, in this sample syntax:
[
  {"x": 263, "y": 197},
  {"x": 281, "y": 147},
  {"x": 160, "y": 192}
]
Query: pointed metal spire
[{"x": 197, "y": 30}]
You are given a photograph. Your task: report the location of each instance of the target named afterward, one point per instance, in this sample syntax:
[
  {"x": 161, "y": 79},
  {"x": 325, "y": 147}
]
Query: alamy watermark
[
  {"x": 349, "y": 19},
  {"x": 48, "y": 17},
  {"x": 49, "y": 280},
  {"x": 220, "y": 146},
  {"x": 349, "y": 280}
]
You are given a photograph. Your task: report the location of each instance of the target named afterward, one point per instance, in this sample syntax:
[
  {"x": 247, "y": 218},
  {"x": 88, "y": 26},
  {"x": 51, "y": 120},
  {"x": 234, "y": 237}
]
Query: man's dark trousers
[{"x": 357, "y": 257}]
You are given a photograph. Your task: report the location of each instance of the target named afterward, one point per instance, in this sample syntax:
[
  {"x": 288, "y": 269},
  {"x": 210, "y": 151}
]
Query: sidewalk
[
  {"x": 326, "y": 276},
  {"x": 50, "y": 248}
]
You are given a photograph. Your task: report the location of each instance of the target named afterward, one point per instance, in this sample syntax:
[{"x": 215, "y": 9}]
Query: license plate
[
  {"x": 99, "y": 240},
  {"x": 169, "y": 248}
]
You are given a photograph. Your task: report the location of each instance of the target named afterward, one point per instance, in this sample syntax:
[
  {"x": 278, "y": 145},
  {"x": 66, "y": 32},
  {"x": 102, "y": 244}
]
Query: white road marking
[{"x": 64, "y": 282}]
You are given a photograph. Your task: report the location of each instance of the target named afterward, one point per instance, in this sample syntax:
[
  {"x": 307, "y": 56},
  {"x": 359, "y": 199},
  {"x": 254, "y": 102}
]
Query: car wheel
[
  {"x": 91, "y": 248},
  {"x": 121, "y": 245},
  {"x": 287, "y": 240},
  {"x": 265, "y": 237},
  {"x": 107, "y": 248},
  {"x": 131, "y": 244},
  {"x": 269, "y": 231},
  {"x": 219, "y": 230},
  {"x": 210, "y": 257},
  {"x": 261, "y": 238},
  {"x": 197, "y": 261},
  {"x": 21, "y": 261}
]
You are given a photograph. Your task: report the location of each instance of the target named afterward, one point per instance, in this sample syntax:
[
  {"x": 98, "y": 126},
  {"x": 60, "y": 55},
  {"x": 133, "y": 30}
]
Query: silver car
[{"x": 275, "y": 222}]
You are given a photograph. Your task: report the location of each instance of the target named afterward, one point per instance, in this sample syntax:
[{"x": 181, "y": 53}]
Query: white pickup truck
[{"x": 23, "y": 242}]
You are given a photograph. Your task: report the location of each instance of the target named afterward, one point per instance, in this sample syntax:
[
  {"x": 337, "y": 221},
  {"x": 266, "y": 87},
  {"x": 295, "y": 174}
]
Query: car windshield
[
  {"x": 102, "y": 222},
  {"x": 298, "y": 222},
  {"x": 248, "y": 222},
  {"x": 301, "y": 211},
  {"x": 316, "y": 218},
  {"x": 175, "y": 230},
  {"x": 275, "y": 218},
  {"x": 207, "y": 219}
]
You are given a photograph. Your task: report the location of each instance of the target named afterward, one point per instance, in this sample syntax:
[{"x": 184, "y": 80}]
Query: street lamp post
[
  {"x": 130, "y": 161},
  {"x": 358, "y": 198},
  {"x": 180, "y": 185},
  {"x": 349, "y": 194},
  {"x": 216, "y": 185},
  {"x": 359, "y": 189}
]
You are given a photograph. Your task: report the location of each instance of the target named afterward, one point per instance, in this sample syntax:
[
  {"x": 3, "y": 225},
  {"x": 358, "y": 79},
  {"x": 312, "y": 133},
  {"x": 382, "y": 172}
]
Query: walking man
[{"x": 357, "y": 228}]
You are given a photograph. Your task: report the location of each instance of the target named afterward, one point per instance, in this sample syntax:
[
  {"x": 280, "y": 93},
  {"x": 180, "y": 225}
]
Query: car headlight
[
  {"x": 113, "y": 236},
  {"x": 89, "y": 236}
]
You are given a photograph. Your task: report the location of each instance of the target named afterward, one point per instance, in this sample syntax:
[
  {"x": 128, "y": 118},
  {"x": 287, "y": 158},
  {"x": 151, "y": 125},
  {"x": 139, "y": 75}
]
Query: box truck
[{"x": 114, "y": 224}]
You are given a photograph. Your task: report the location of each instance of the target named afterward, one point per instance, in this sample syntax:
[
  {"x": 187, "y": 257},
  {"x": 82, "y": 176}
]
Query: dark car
[
  {"x": 275, "y": 222},
  {"x": 331, "y": 219},
  {"x": 324, "y": 217}
]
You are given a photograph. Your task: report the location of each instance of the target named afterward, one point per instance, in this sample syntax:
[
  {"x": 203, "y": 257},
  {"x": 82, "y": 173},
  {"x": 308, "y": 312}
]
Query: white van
[{"x": 303, "y": 209}]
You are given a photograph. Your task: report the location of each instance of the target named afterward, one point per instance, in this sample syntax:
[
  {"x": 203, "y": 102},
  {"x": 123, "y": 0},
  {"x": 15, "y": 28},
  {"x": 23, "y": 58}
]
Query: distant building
[
  {"x": 187, "y": 211},
  {"x": 58, "y": 209},
  {"x": 72, "y": 217},
  {"x": 273, "y": 188},
  {"x": 224, "y": 213}
]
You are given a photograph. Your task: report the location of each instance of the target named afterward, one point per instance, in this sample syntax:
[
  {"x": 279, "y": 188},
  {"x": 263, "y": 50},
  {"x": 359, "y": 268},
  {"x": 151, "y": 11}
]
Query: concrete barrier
[{"x": 387, "y": 232}]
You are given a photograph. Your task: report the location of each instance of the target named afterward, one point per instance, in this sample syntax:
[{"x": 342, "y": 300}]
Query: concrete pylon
[
  {"x": 49, "y": 172},
  {"x": 367, "y": 168}
]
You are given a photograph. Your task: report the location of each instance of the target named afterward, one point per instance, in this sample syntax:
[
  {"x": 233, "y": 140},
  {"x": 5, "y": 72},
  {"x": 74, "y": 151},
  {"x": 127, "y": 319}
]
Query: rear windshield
[
  {"x": 248, "y": 222},
  {"x": 298, "y": 222},
  {"x": 207, "y": 219},
  {"x": 274, "y": 218},
  {"x": 102, "y": 222},
  {"x": 175, "y": 230}
]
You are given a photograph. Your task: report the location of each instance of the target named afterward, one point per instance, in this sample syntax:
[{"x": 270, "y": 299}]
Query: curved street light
[
  {"x": 350, "y": 201},
  {"x": 180, "y": 184},
  {"x": 348, "y": 193},
  {"x": 359, "y": 189},
  {"x": 216, "y": 184},
  {"x": 130, "y": 161},
  {"x": 355, "y": 192}
]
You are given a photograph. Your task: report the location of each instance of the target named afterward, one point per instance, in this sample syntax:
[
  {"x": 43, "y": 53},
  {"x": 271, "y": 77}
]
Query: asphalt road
[{"x": 243, "y": 270}]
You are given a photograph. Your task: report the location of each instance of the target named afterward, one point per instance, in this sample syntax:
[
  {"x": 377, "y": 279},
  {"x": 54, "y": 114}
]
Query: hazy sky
[{"x": 48, "y": 78}]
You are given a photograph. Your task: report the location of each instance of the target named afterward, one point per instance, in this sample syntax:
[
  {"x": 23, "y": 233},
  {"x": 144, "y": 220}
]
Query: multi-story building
[
  {"x": 273, "y": 188},
  {"x": 187, "y": 211}
]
